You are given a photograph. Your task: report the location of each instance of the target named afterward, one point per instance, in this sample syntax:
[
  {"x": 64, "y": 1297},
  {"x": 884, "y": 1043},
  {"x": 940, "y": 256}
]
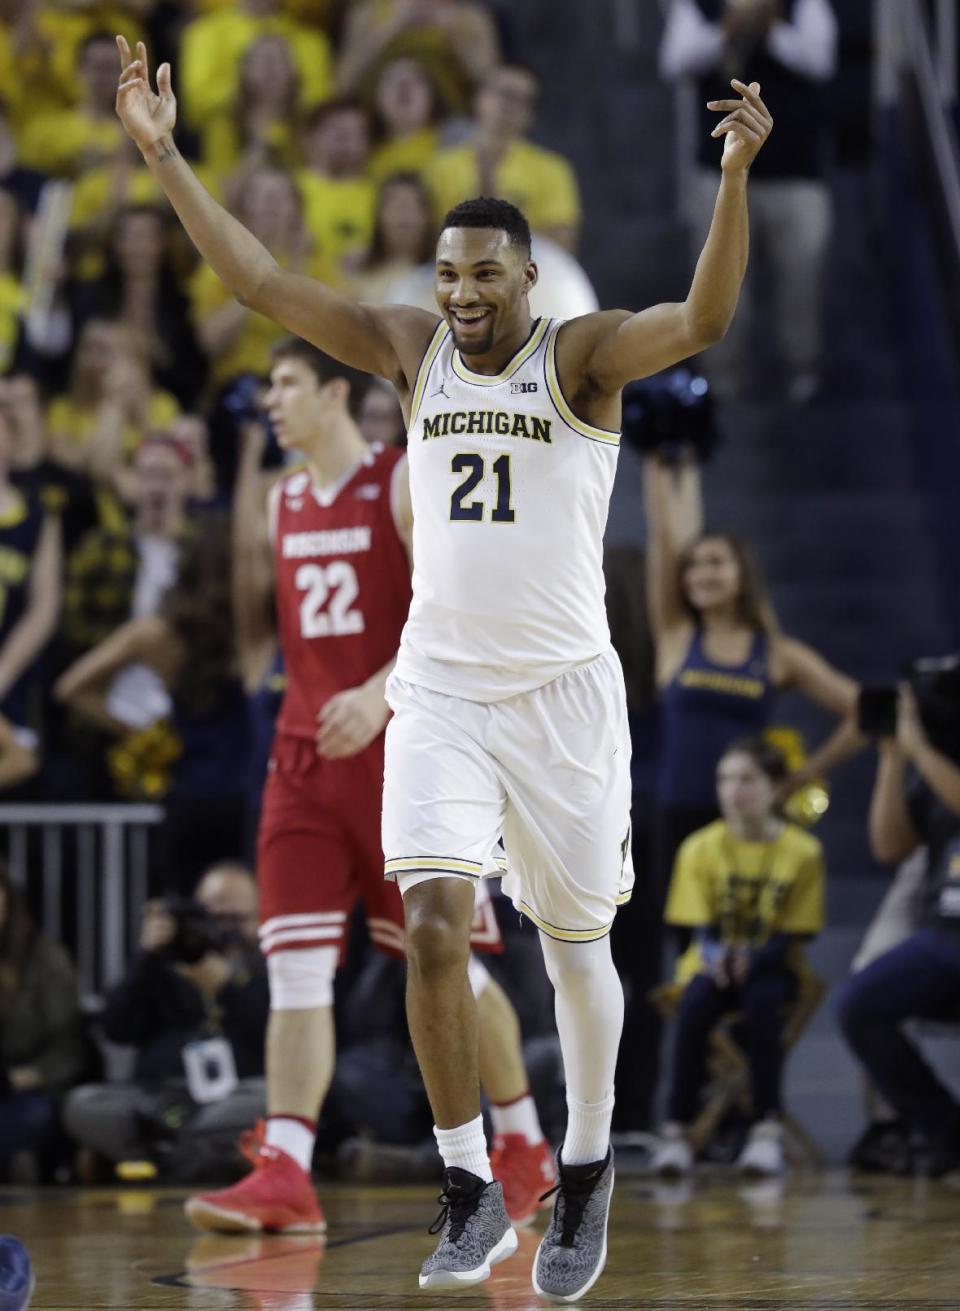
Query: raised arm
[
  {"x": 673, "y": 508},
  {"x": 388, "y": 341},
  {"x": 604, "y": 352}
]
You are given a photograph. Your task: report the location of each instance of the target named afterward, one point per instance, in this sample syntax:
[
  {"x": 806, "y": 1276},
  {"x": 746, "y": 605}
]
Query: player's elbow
[{"x": 253, "y": 293}]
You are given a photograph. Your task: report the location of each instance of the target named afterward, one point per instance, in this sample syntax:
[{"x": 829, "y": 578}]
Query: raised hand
[
  {"x": 746, "y": 126},
  {"x": 146, "y": 115}
]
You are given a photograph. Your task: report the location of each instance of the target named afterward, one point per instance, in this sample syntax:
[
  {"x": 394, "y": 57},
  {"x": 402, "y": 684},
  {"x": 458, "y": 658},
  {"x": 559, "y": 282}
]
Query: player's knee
[
  {"x": 302, "y": 980},
  {"x": 577, "y": 967},
  {"x": 437, "y": 930}
]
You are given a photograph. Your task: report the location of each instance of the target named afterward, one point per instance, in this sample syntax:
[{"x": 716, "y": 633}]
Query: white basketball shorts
[{"x": 548, "y": 769}]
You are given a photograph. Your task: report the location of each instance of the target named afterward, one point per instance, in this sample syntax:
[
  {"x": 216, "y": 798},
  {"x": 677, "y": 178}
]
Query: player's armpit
[{"x": 380, "y": 340}]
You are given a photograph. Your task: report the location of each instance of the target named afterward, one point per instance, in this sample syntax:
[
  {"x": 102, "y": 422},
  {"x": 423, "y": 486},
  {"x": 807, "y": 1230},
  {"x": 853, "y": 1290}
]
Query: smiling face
[
  {"x": 744, "y": 791},
  {"x": 712, "y": 577},
  {"x": 482, "y": 285}
]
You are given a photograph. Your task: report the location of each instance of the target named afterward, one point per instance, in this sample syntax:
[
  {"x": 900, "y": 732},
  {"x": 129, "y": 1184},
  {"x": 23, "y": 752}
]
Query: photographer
[
  {"x": 194, "y": 1005},
  {"x": 919, "y": 978}
]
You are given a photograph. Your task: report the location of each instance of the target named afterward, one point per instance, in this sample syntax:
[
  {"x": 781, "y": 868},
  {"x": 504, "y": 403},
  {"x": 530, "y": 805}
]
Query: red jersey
[{"x": 342, "y": 586}]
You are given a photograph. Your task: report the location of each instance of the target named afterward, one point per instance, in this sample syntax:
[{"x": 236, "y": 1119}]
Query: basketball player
[
  {"x": 340, "y": 529},
  {"x": 509, "y": 706}
]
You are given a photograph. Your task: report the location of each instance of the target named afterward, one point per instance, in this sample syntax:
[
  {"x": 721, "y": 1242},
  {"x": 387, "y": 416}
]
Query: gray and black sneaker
[
  {"x": 573, "y": 1251},
  {"x": 475, "y": 1232}
]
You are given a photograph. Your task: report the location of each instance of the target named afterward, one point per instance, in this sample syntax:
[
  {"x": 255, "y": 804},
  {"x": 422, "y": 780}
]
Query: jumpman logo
[{"x": 441, "y": 390}]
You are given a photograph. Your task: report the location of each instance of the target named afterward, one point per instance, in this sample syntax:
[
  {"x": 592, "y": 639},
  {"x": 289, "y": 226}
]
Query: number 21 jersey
[{"x": 342, "y": 585}]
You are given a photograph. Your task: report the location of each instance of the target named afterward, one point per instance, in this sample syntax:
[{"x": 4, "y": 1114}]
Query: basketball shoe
[
  {"x": 573, "y": 1251},
  {"x": 475, "y": 1232},
  {"x": 526, "y": 1170},
  {"x": 16, "y": 1275},
  {"x": 276, "y": 1197}
]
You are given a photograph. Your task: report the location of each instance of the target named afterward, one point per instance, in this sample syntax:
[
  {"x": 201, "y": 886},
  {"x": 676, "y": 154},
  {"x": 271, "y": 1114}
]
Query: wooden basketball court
[{"x": 822, "y": 1243}]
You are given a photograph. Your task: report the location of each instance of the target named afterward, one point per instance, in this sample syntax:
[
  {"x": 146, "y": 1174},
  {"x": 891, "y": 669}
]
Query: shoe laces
[
  {"x": 458, "y": 1205},
  {"x": 571, "y": 1203}
]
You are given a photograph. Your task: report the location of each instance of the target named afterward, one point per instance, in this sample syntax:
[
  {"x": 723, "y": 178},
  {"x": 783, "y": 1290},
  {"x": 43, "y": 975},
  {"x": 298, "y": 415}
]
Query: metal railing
[{"x": 91, "y": 862}]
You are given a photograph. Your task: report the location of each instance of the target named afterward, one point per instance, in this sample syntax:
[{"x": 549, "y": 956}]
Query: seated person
[
  {"x": 338, "y": 197},
  {"x": 407, "y": 113},
  {"x": 498, "y": 160},
  {"x": 213, "y": 46},
  {"x": 67, "y": 142},
  {"x": 43, "y": 1051},
  {"x": 751, "y": 886},
  {"x": 260, "y": 124},
  {"x": 194, "y": 1005},
  {"x": 920, "y": 977}
]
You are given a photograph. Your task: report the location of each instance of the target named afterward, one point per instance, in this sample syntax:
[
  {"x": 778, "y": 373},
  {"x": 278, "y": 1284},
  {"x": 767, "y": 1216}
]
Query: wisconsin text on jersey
[
  {"x": 455, "y": 423},
  {"x": 332, "y": 541}
]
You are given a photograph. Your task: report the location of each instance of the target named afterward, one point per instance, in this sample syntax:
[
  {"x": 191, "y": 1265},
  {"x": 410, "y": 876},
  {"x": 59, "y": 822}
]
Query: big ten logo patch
[{"x": 518, "y": 388}]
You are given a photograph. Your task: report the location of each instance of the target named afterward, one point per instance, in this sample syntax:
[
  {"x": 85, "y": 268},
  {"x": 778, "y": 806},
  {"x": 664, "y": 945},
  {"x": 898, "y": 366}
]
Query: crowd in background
[{"x": 130, "y": 409}]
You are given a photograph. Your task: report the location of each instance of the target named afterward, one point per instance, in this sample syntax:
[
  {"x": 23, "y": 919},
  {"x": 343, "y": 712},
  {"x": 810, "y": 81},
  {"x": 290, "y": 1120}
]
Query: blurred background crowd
[{"x": 823, "y": 431}]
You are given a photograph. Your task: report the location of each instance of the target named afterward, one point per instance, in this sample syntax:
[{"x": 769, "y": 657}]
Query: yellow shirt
[
  {"x": 13, "y": 304},
  {"x": 62, "y": 142},
  {"x": 221, "y": 147},
  {"x": 538, "y": 181},
  {"x": 338, "y": 212},
  {"x": 66, "y": 420},
  {"x": 747, "y": 891},
  {"x": 213, "y": 47},
  {"x": 410, "y": 154},
  {"x": 249, "y": 352}
]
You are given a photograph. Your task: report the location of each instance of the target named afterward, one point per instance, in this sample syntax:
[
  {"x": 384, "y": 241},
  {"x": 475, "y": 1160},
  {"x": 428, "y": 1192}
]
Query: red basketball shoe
[
  {"x": 526, "y": 1171},
  {"x": 276, "y": 1197}
]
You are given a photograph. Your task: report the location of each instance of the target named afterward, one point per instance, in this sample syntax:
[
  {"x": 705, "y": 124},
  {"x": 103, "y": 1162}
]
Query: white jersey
[{"x": 510, "y": 496}]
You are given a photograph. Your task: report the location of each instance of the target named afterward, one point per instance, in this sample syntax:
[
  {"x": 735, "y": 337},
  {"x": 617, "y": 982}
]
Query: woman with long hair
[
  {"x": 43, "y": 1051},
  {"x": 403, "y": 238},
  {"x": 407, "y": 116},
  {"x": 751, "y": 889},
  {"x": 190, "y": 645},
  {"x": 721, "y": 657}
]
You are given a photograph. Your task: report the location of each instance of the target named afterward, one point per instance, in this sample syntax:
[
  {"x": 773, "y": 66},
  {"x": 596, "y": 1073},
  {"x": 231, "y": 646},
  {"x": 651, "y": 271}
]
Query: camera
[
  {"x": 196, "y": 933},
  {"x": 936, "y": 684}
]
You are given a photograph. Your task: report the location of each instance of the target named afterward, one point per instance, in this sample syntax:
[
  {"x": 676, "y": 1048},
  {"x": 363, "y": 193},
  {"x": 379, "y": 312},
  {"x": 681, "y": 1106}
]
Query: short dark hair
[
  {"x": 491, "y": 212},
  {"x": 767, "y": 757},
  {"x": 330, "y": 108},
  {"x": 323, "y": 367}
]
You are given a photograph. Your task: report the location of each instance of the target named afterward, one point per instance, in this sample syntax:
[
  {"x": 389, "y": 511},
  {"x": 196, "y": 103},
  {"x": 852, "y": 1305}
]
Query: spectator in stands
[
  {"x": 110, "y": 405},
  {"x": 260, "y": 125},
  {"x": 790, "y": 49},
  {"x": 498, "y": 160},
  {"x": 919, "y": 978},
  {"x": 13, "y": 295},
  {"x": 751, "y": 887},
  {"x": 191, "y": 435},
  {"x": 212, "y": 50},
  {"x": 721, "y": 657},
  {"x": 455, "y": 41},
  {"x": 24, "y": 184},
  {"x": 30, "y": 579},
  {"x": 177, "y": 667},
  {"x": 235, "y": 338},
  {"x": 67, "y": 142},
  {"x": 403, "y": 239},
  {"x": 407, "y": 112},
  {"x": 380, "y": 418},
  {"x": 194, "y": 1006},
  {"x": 42, "y": 1047},
  {"x": 61, "y": 491},
  {"x": 139, "y": 290},
  {"x": 338, "y": 196}
]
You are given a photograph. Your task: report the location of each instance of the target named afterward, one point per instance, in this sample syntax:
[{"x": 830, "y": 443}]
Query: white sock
[
  {"x": 293, "y": 1137},
  {"x": 519, "y": 1117},
  {"x": 588, "y": 1131},
  {"x": 465, "y": 1148}
]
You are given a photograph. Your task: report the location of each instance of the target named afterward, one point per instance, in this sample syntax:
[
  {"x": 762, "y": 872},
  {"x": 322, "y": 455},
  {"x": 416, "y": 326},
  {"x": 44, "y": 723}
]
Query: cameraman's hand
[
  {"x": 158, "y": 927},
  {"x": 209, "y": 974},
  {"x": 911, "y": 737}
]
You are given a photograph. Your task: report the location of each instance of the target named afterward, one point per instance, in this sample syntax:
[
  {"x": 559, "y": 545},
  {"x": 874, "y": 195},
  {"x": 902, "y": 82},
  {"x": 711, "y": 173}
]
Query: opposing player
[
  {"x": 340, "y": 587},
  {"x": 509, "y": 707}
]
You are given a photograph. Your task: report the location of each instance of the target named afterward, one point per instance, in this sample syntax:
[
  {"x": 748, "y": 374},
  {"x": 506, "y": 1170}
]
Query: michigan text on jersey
[{"x": 456, "y": 423}]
